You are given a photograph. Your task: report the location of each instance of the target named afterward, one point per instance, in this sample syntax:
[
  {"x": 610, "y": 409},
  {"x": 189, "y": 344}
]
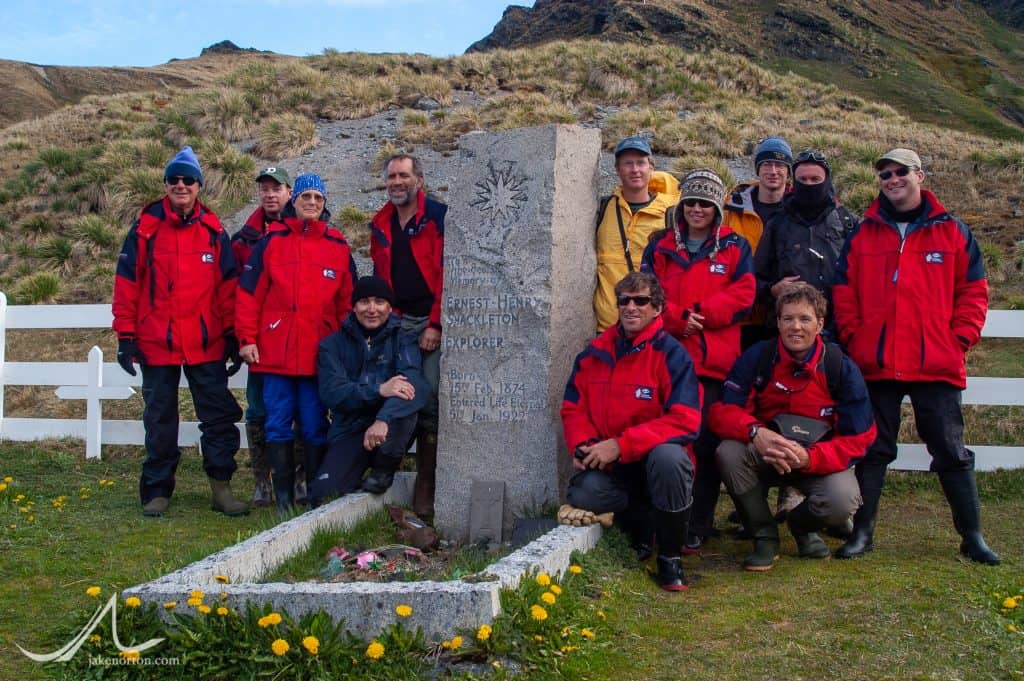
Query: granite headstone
[{"x": 518, "y": 286}]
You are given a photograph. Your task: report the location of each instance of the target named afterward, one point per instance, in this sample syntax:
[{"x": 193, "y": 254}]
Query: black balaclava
[{"x": 811, "y": 200}]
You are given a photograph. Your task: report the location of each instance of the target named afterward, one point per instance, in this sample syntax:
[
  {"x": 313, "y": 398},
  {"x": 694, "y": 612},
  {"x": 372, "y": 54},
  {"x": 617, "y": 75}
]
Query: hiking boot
[
  {"x": 224, "y": 501},
  {"x": 262, "y": 492},
  {"x": 961, "y": 490},
  {"x": 426, "y": 468},
  {"x": 803, "y": 525},
  {"x": 155, "y": 507},
  {"x": 379, "y": 480},
  {"x": 758, "y": 518}
]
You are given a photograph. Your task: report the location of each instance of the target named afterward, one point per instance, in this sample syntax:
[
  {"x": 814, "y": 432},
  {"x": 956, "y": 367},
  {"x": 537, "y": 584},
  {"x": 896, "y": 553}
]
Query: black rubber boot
[
  {"x": 426, "y": 468},
  {"x": 670, "y": 529},
  {"x": 804, "y": 526},
  {"x": 262, "y": 494},
  {"x": 313, "y": 456},
  {"x": 299, "y": 491},
  {"x": 758, "y": 518},
  {"x": 871, "y": 478},
  {"x": 961, "y": 491},
  {"x": 382, "y": 475},
  {"x": 282, "y": 459}
]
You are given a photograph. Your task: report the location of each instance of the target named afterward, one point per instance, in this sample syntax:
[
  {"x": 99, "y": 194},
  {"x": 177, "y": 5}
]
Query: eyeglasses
[
  {"x": 311, "y": 196},
  {"x": 690, "y": 203},
  {"x": 810, "y": 155},
  {"x": 639, "y": 301},
  {"x": 187, "y": 181},
  {"x": 902, "y": 171}
]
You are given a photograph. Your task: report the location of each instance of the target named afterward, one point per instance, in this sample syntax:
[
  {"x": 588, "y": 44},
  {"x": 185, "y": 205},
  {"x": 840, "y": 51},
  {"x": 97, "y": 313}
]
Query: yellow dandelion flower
[
  {"x": 456, "y": 642},
  {"x": 31, "y": 519},
  {"x": 312, "y": 644},
  {"x": 205, "y": 609},
  {"x": 1010, "y": 603},
  {"x": 131, "y": 655},
  {"x": 538, "y": 613},
  {"x": 375, "y": 650},
  {"x": 132, "y": 602},
  {"x": 586, "y": 633},
  {"x": 538, "y": 638},
  {"x": 23, "y": 509},
  {"x": 446, "y": 644},
  {"x": 569, "y": 649},
  {"x": 555, "y": 589},
  {"x": 198, "y": 593},
  {"x": 274, "y": 618},
  {"x": 170, "y": 605},
  {"x": 1012, "y": 628},
  {"x": 1018, "y": 598},
  {"x": 3, "y": 486},
  {"x": 403, "y": 610},
  {"x": 223, "y": 579},
  {"x": 543, "y": 579},
  {"x": 601, "y": 615},
  {"x": 19, "y": 497},
  {"x": 575, "y": 569},
  {"x": 548, "y": 597},
  {"x": 566, "y": 631},
  {"x": 223, "y": 595},
  {"x": 496, "y": 664},
  {"x": 280, "y": 647},
  {"x": 484, "y": 632},
  {"x": 95, "y": 638},
  {"x": 92, "y": 591},
  {"x": 222, "y": 611},
  {"x": 194, "y": 602},
  {"x": 8, "y": 479}
]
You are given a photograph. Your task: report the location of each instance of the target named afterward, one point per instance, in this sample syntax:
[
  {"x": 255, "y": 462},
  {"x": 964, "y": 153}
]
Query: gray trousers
[
  {"x": 431, "y": 372},
  {"x": 665, "y": 476},
  {"x": 830, "y": 498}
]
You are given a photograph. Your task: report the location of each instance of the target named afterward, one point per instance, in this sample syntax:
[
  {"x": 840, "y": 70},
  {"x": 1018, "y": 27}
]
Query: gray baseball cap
[
  {"x": 905, "y": 157},
  {"x": 274, "y": 173}
]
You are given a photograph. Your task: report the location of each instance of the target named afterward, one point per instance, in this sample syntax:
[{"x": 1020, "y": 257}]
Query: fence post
[{"x": 3, "y": 356}]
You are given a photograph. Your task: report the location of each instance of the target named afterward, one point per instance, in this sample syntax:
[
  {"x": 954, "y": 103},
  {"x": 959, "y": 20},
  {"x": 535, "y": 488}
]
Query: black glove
[
  {"x": 231, "y": 353},
  {"x": 128, "y": 352}
]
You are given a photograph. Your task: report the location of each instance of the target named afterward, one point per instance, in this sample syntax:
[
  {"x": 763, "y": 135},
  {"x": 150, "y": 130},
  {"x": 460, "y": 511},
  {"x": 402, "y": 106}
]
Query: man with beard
[
  {"x": 407, "y": 248},
  {"x": 802, "y": 241}
]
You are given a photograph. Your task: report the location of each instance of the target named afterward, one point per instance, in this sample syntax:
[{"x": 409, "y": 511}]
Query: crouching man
[
  {"x": 795, "y": 411},
  {"x": 371, "y": 379},
  {"x": 631, "y": 407}
]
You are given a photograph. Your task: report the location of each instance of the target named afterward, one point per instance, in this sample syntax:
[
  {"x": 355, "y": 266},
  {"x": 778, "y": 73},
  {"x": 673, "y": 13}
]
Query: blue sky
[{"x": 145, "y": 33}]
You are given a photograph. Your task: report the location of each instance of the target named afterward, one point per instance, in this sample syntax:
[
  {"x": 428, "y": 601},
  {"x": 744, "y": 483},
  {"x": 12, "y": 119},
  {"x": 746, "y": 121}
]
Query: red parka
[
  {"x": 909, "y": 309},
  {"x": 174, "y": 291},
  {"x": 641, "y": 391},
  {"x": 799, "y": 387},
  {"x": 245, "y": 239},
  {"x": 718, "y": 284},
  {"x": 426, "y": 240},
  {"x": 295, "y": 289}
]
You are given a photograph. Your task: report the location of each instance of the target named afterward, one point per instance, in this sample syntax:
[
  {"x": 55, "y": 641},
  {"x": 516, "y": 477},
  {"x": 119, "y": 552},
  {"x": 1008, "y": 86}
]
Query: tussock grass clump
[
  {"x": 58, "y": 253},
  {"x": 95, "y": 232},
  {"x": 227, "y": 176},
  {"x": 286, "y": 135},
  {"x": 228, "y": 114},
  {"x": 354, "y": 224},
  {"x": 38, "y": 288},
  {"x": 132, "y": 189},
  {"x": 37, "y": 225},
  {"x": 684, "y": 164},
  {"x": 521, "y": 110}
]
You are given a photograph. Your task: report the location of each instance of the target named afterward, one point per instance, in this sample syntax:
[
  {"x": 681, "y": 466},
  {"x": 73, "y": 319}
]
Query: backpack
[{"x": 832, "y": 357}]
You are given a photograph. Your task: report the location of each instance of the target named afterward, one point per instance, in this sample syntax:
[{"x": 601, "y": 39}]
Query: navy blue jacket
[{"x": 352, "y": 366}]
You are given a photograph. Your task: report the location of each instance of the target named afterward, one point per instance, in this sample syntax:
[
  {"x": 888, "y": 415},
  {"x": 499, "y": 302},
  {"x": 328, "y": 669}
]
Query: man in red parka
[
  {"x": 631, "y": 408},
  {"x": 910, "y": 299},
  {"x": 791, "y": 375},
  {"x": 174, "y": 298}
]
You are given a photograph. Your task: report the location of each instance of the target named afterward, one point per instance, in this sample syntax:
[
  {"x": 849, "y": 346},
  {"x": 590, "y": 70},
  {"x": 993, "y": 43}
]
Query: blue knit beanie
[
  {"x": 773, "y": 149},
  {"x": 307, "y": 182},
  {"x": 185, "y": 164}
]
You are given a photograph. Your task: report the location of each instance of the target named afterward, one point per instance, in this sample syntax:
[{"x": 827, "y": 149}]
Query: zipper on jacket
[{"x": 880, "y": 351}]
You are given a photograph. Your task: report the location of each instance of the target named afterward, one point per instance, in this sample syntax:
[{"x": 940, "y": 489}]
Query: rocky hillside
[{"x": 933, "y": 58}]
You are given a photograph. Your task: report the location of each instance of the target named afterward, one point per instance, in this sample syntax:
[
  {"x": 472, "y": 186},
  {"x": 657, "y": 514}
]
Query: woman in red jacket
[
  {"x": 707, "y": 272},
  {"x": 295, "y": 290}
]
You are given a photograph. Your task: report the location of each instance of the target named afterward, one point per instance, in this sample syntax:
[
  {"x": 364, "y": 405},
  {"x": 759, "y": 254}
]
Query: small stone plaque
[{"x": 486, "y": 503}]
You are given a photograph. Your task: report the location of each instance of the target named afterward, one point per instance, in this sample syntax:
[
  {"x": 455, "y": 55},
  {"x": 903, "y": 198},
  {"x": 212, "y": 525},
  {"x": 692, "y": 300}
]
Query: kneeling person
[
  {"x": 371, "y": 379},
  {"x": 797, "y": 375},
  {"x": 631, "y": 406}
]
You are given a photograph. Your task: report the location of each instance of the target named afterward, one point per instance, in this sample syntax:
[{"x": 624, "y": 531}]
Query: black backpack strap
[
  {"x": 625, "y": 240},
  {"x": 833, "y": 368},
  {"x": 765, "y": 365},
  {"x": 670, "y": 217},
  {"x": 601, "y": 207}
]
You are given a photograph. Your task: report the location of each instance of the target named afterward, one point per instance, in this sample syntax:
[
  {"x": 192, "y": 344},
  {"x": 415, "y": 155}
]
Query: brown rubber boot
[
  {"x": 262, "y": 491},
  {"x": 224, "y": 501},
  {"x": 426, "y": 468}
]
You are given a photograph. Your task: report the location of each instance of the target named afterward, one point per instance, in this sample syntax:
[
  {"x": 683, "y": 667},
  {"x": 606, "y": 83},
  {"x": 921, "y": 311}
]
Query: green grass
[{"x": 913, "y": 609}]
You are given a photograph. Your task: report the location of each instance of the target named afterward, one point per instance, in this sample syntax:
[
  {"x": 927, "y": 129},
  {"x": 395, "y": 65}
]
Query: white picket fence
[{"x": 96, "y": 381}]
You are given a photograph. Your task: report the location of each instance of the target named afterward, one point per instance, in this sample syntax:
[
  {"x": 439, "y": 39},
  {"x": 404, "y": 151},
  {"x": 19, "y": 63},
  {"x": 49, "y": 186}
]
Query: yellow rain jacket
[{"x": 611, "y": 257}]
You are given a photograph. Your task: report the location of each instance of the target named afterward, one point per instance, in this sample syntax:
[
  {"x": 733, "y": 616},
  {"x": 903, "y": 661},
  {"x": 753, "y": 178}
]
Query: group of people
[
  {"x": 343, "y": 371},
  {"x": 765, "y": 338}
]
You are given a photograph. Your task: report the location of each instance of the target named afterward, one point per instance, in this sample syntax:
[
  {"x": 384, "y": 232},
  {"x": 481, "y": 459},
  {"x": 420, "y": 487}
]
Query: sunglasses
[
  {"x": 639, "y": 301},
  {"x": 902, "y": 171},
  {"x": 690, "y": 203},
  {"x": 187, "y": 181}
]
